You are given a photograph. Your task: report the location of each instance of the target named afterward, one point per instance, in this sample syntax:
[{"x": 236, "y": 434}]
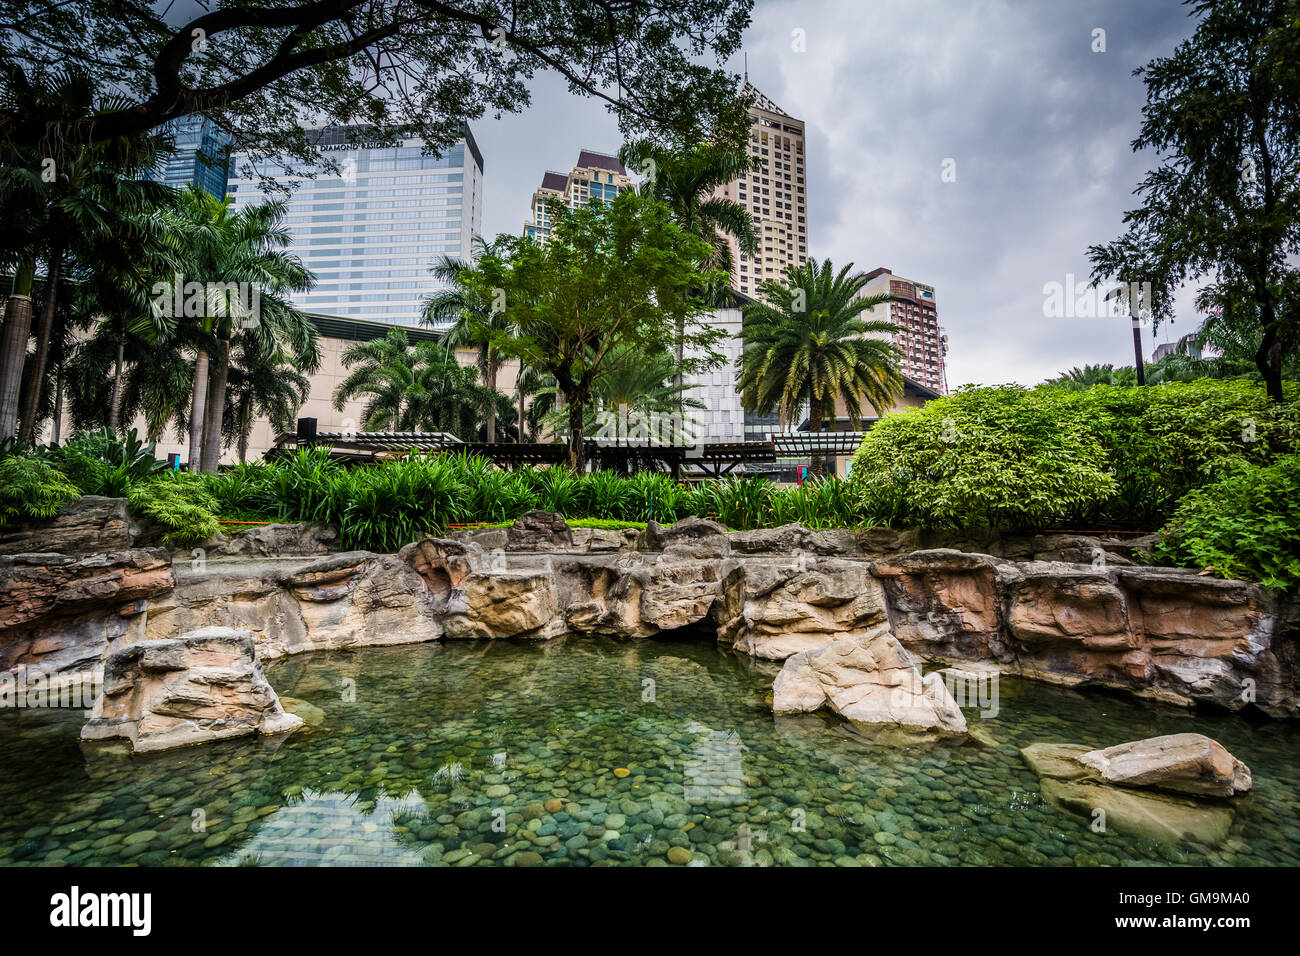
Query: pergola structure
[{"x": 704, "y": 460}]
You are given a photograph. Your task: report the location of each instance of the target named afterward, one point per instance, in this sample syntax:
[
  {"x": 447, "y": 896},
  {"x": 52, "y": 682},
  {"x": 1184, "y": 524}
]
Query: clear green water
[{"x": 450, "y": 752}]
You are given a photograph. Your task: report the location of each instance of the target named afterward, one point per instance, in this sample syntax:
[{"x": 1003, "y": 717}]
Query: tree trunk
[
  {"x": 1137, "y": 350},
  {"x": 1269, "y": 357},
  {"x": 58, "y": 406},
  {"x": 220, "y": 372},
  {"x": 115, "y": 403},
  {"x": 45, "y": 325},
  {"x": 577, "y": 455},
  {"x": 816, "y": 467},
  {"x": 521, "y": 406},
  {"x": 198, "y": 405},
  {"x": 490, "y": 379},
  {"x": 13, "y": 347}
]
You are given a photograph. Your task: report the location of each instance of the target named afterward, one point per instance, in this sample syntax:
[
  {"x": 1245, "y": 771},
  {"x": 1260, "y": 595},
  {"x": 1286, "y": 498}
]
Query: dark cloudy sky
[{"x": 1038, "y": 125}]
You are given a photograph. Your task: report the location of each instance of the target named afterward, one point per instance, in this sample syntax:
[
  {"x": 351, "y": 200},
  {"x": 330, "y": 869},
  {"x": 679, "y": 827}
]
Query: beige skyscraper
[
  {"x": 597, "y": 176},
  {"x": 915, "y": 312},
  {"x": 775, "y": 195}
]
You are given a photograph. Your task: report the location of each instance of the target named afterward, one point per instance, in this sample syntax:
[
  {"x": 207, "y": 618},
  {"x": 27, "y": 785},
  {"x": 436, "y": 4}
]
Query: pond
[{"x": 582, "y": 751}]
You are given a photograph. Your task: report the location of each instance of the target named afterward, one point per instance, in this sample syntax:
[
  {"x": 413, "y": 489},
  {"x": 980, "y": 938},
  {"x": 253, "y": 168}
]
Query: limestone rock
[
  {"x": 201, "y": 686},
  {"x": 539, "y": 531},
  {"x": 1056, "y": 761},
  {"x": 59, "y": 613},
  {"x": 504, "y": 604},
  {"x": 1183, "y": 763},
  {"x": 88, "y": 524},
  {"x": 806, "y": 605},
  {"x": 656, "y": 537},
  {"x": 945, "y": 604},
  {"x": 869, "y": 679},
  {"x": 1152, "y": 816},
  {"x": 275, "y": 540}
]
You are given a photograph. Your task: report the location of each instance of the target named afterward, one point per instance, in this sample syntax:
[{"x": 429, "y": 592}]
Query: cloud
[{"x": 1037, "y": 124}]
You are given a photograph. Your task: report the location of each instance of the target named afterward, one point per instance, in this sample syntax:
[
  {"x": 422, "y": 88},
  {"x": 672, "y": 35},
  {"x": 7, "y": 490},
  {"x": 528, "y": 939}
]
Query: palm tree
[
  {"x": 687, "y": 182},
  {"x": 473, "y": 320},
  {"x": 247, "y": 248},
  {"x": 261, "y": 385},
  {"x": 84, "y": 203},
  {"x": 414, "y": 387},
  {"x": 807, "y": 345}
]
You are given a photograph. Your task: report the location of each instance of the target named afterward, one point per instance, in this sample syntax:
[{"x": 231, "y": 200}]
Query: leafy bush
[
  {"x": 179, "y": 502},
  {"x": 30, "y": 488},
  {"x": 1000, "y": 456},
  {"x": 392, "y": 503},
  {"x": 1245, "y": 525},
  {"x": 104, "y": 463},
  {"x": 1018, "y": 458},
  {"x": 1163, "y": 441}
]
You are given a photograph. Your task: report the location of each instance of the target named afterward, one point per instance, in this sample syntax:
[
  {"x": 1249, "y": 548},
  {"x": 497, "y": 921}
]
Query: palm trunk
[
  {"x": 211, "y": 455},
  {"x": 577, "y": 453},
  {"x": 58, "y": 406},
  {"x": 35, "y": 381},
  {"x": 521, "y": 409},
  {"x": 490, "y": 379},
  {"x": 816, "y": 465},
  {"x": 115, "y": 403},
  {"x": 198, "y": 405},
  {"x": 13, "y": 346}
]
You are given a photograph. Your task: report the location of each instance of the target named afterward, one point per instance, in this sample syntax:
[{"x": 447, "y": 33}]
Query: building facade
[
  {"x": 596, "y": 176},
  {"x": 201, "y": 157},
  {"x": 915, "y": 311},
  {"x": 775, "y": 194},
  {"x": 371, "y": 231}
]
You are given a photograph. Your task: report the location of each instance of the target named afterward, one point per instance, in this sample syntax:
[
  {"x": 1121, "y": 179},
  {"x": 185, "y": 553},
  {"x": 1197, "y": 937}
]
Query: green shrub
[
  {"x": 1245, "y": 525},
  {"x": 1162, "y": 441},
  {"x": 392, "y": 503},
  {"x": 30, "y": 488},
  {"x": 1002, "y": 457},
  {"x": 179, "y": 502},
  {"x": 104, "y": 463}
]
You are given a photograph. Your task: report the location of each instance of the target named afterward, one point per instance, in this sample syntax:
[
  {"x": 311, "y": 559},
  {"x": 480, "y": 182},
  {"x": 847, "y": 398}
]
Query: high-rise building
[
  {"x": 597, "y": 176},
  {"x": 201, "y": 157},
  {"x": 371, "y": 231},
  {"x": 920, "y": 336},
  {"x": 775, "y": 194}
]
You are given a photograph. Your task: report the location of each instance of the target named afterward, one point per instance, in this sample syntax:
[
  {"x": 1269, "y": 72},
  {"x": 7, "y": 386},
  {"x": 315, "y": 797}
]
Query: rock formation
[
  {"x": 1145, "y": 787},
  {"x": 201, "y": 686},
  {"x": 869, "y": 679}
]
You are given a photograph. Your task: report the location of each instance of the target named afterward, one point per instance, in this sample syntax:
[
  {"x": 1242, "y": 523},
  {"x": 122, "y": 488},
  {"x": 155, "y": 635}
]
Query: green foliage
[
  {"x": 104, "y": 463},
  {"x": 179, "y": 502},
  {"x": 1014, "y": 458},
  {"x": 999, "y": 456},
  {"x": 31, "y": 488},
  {"x": 1244, "y": 525}
]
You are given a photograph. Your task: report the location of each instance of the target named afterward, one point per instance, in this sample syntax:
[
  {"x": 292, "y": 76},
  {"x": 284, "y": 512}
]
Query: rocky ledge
[{"x": 851, "y": 625}]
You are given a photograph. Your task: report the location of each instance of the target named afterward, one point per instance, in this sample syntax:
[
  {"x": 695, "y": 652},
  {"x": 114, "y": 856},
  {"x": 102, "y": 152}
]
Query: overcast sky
[{"x": 1037, "y": 124}]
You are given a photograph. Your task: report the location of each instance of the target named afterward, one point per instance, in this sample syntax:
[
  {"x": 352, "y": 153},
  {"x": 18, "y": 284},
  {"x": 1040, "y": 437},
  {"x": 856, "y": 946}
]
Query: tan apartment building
[
  {"x": 596, "y": 176},
  {"x": 775, "y": 194},
  {"x": 915, "y": 311}
]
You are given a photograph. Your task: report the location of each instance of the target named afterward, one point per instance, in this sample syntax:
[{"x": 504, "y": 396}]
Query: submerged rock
[
  {"x": 869, "y": 679},
  {"x": 1183, "y": 763},
  {"x": 1153, "y": 816}
]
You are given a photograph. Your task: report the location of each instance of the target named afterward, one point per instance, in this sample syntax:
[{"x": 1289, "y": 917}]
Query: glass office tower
[
  {"x": 370, "y": 231},
  {"x": 202, "y": 155}
]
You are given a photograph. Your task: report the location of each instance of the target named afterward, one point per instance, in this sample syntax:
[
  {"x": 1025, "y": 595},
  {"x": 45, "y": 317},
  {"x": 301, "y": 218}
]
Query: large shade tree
[
  {"x": 610, "y": 276},
  {"x": 267, "y": 69},
  {"x": 1223, "y": 207},
  {"x": 807, "y": 345}
]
